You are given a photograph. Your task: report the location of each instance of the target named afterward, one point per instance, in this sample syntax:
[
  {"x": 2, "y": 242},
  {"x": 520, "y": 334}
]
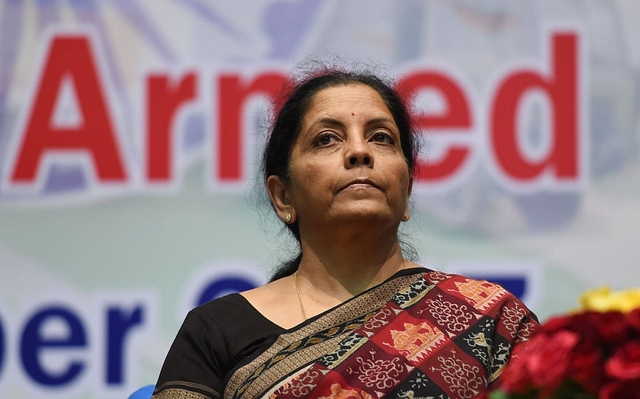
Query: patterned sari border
[
  {"x": 173, "y": 390},
  {"x": 297, "y": 349}
]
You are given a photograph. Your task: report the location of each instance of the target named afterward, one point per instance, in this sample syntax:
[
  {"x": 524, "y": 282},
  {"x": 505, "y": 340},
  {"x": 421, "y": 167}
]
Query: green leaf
[{"x": 501, "y": 395}]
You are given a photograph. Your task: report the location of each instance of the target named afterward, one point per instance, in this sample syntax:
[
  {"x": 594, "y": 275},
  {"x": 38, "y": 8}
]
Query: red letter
[
  {"x": 69, "y": 57},
  {"x": 456, "y": 116},
  {"x": 561, "y": 89},
  {"x": 233, "y": 94},
  {"x": 164, "y": 100}
]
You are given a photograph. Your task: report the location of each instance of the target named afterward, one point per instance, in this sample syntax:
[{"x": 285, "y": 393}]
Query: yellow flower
[{"x": 603, "y": 300}]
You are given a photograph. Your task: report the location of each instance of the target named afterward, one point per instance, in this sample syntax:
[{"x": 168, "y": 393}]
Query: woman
[{"x": 349, "y": 316}]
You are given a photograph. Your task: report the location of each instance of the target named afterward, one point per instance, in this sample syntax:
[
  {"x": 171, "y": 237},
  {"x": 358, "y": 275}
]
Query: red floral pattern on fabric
[{"x": 452, "y": 341}]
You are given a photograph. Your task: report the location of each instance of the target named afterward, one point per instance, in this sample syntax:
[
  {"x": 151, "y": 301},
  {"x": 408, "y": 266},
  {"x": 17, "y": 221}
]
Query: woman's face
[{"x": 347, "y": 164}]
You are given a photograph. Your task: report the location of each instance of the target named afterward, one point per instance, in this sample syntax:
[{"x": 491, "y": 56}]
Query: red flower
[
  {"x": 620, "y": 390},
  {"x": 516, "y": 378},
  {"x": 557, "y": 323},
  {"x": 633, "y": 320},
  {"x": 588, "y": 354},
  {"x": 625, "y": 362},
  {"x": 612, "y": 327},
  {"x": 549, "y": 361},
  {"x": 587, "y": 370}
]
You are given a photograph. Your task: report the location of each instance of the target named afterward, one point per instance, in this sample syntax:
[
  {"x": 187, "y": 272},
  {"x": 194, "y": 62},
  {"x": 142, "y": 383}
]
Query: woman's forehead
[{"x": 346, "y": 99}]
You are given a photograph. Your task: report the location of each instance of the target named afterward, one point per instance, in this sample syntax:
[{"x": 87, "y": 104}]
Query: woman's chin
[{"x": 370, "y": 216}]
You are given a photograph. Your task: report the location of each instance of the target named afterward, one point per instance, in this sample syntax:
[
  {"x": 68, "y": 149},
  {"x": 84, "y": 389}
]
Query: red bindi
[{"x": 353, "y": 114}]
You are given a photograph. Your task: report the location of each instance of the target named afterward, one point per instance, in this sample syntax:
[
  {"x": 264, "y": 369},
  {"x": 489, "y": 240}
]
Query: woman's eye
[
  {"x": 325, "y": 139},
  {"x": 382, "y": 137}
]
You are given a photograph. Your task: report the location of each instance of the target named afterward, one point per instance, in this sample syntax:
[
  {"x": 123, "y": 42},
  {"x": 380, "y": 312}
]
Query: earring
[
  {"x": 405, "y": 217},
  {"x": 287, "y": 217}
]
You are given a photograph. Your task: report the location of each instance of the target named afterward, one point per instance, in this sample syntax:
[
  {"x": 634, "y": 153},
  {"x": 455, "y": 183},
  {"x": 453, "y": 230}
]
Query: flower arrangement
[{"x": 593, "y": 353}]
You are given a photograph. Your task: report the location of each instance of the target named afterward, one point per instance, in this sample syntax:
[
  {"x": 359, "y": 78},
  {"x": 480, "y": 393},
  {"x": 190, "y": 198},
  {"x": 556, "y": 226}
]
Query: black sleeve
[
  {"x": 194, "y": 362},
  {"x": 214, "y": 339}
]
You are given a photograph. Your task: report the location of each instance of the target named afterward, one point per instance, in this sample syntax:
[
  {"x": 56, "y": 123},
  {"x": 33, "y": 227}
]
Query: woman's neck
[{"x": 342, "y": 265}]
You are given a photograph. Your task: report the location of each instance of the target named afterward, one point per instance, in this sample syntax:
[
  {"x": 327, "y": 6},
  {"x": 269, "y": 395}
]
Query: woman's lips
[{"x": 360, "y": 184}]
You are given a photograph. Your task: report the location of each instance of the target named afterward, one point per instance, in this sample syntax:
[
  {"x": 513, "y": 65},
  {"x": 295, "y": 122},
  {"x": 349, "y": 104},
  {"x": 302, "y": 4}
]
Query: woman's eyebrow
[
  {"x": 379, "y": 120},
  {"x": 326, "y": 121},
  {"x": 336, "y": 123}
]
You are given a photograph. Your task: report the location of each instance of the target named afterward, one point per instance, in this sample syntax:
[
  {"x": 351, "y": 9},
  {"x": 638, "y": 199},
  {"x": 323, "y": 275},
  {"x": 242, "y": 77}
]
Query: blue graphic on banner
[
  {"x": 119, "y": 322},
  {"x": 1, "y": 346},
  {"x": 34, "y": 342}
]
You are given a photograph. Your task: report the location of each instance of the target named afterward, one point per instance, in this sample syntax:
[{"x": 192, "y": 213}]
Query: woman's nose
[{"x": 358, "y": 154}]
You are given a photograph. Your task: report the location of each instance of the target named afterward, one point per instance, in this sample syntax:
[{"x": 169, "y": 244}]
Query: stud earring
[
  {"x": 405, "y": 217},
  {"x": 287, "y": 217}
]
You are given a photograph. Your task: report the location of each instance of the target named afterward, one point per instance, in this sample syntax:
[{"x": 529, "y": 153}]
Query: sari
[{"x": 421, "y": 333}]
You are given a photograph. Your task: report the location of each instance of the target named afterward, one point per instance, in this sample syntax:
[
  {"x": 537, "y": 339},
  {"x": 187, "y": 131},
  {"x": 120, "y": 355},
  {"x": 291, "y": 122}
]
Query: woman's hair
[{"x": 287, "y": 124}]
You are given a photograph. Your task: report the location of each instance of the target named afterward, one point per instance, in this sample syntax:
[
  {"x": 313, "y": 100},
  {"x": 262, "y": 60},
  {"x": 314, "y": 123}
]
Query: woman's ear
[
  {"x": 407, "y": 211},
  {"x": 280, "y": 199}
]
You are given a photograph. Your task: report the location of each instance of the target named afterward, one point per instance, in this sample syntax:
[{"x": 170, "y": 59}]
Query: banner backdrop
[{"x": 130, "y": 136}]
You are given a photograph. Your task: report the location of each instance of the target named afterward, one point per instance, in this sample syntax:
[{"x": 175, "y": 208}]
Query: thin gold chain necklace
[{"x": 295, "y": 280}]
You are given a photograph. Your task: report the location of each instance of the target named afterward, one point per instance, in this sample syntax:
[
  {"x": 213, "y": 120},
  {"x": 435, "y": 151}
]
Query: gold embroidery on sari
[
  {"x": 297, "y": 349},
  {"x": 179, "y": 393}
]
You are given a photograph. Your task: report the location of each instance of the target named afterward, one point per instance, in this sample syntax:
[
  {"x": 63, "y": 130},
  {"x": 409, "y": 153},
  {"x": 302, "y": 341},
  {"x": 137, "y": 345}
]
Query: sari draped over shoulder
[{"x": 419, "y": 334}]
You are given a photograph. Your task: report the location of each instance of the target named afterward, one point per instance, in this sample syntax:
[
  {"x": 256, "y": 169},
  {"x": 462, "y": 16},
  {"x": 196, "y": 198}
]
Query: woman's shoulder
[
  {"x": 221, "y": 306},
  {"x": 472, "y": 289},
  {"x": 462, "y": 283},
  {"x": 231, "y": 325},
  {"x": 480, "y": 293},
  {"x": 213, "y": 338},
  {"x": 231, "y": 312},
  {"x": 274, "y": 302}
]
